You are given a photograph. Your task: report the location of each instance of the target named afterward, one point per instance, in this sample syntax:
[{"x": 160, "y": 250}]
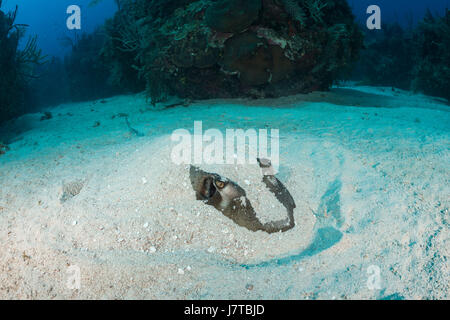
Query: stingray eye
[{"x": 220, "y": 184}]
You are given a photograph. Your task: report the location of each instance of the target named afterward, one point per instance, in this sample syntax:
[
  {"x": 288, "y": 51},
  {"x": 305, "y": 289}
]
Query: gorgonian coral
[{"x": 17, "y": 66}]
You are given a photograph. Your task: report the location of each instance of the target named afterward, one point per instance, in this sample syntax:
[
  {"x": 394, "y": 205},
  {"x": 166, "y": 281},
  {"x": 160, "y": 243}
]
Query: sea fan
[{"x": 295, "y": 11}]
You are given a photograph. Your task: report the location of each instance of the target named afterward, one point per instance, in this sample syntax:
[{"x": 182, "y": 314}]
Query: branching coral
[
  {"x": 129, "y": 36},
  {"x": 88, "y": 74},
  {"x": 134, "y": 49},
  {"x": 315, "y": 8},
  {"x": 121, "y": 50},
  {"x": 29, "y": 57}
]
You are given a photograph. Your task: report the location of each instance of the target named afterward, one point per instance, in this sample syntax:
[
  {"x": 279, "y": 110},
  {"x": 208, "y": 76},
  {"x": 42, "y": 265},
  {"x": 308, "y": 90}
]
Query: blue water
[
  {"x": 47, "y": 18},
  {"x": 399, "y": 10}
]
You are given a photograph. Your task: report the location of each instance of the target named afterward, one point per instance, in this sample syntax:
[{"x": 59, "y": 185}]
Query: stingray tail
[{"x": 283, "y": 196}]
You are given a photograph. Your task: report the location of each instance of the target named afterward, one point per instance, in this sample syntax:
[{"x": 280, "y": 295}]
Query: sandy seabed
[{"x": 369, "y": 170}]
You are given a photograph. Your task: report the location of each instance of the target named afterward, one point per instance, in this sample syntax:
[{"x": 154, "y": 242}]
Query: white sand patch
[{"x": 372, "y": 182}]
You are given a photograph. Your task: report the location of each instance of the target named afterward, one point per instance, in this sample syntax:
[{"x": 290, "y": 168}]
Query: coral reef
[
  {"x": 412, "y": 59},
  {"x": 51, "y": 87},
  {"x": 16, "y": 66},
  {"x": 295, "y": 11},
  {"x": 387, "y": 59},
  {"x": 88, "y": 74},
  {"x": 120, "y": 49},
  {"x": 431, "y": 73},
  {"x": 84, "y": 73},
  {"x": 230, "y": 48}
]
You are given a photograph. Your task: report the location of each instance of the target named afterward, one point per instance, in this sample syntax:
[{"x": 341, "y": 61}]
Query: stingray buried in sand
[{"x": 230, "y": 199}]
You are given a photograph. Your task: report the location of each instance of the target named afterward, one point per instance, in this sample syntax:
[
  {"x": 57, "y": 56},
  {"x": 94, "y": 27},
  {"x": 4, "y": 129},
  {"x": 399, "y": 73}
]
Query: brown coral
[{"x": 246, "y": 54}]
